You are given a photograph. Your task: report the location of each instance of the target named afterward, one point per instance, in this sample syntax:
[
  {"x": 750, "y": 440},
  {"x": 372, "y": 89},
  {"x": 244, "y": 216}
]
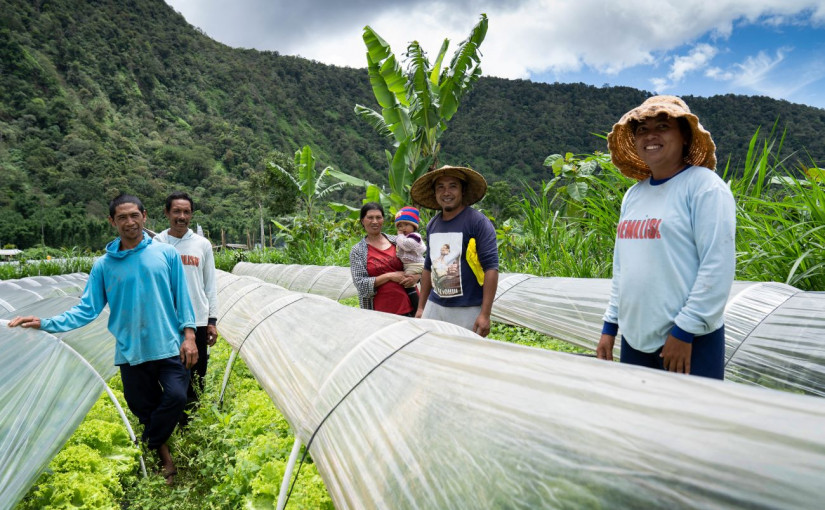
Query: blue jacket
[{"x": 149, "y": 304}]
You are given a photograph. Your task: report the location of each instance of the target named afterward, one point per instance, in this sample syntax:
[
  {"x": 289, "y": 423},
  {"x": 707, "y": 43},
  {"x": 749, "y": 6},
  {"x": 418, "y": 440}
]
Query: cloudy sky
[{"x": 773, "y": 48}]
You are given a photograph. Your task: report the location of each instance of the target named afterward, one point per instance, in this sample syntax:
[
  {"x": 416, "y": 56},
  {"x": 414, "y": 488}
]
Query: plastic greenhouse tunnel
[
  {"x": 17, "y": 293},
  {"x": 773, "y": 330},
  {"x": 334, "y": 282},
  {"x": 405, "y": 413},
  {"x": 50, "y": 381},
  {"x": 412, "y": 413}
]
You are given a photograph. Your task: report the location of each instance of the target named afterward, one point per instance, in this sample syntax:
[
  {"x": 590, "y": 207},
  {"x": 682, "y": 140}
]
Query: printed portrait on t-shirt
[{"x": 445, "y": 255}]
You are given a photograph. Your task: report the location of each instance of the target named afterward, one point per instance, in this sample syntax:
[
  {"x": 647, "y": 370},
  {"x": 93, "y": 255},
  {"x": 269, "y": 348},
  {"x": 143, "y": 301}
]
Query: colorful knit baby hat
[{"x": 408, "y": 213}]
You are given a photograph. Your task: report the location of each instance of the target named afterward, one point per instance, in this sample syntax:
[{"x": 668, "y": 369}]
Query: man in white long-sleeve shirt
[{"x": 199, "y": 267}]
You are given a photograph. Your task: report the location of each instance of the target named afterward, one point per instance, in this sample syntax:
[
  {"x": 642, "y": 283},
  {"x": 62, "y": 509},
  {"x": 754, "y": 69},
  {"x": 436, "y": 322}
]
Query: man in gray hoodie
[{"x": 199, "y": 267}]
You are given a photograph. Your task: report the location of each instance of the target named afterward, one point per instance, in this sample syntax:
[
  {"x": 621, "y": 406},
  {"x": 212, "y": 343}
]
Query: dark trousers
[
  {"x": 196, "y": 375},
  {"x": 707, "y": 357},
  {"x": 155, "y": 392},
  {"x": 199, "y": 370}
]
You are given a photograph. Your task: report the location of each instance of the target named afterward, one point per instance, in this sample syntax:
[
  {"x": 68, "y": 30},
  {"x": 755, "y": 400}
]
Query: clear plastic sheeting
[
  {"x": 94, "y": 344},
  {"x": 772, "y": 330},
  {"x": 49, "y": 383},
  {"x": 405, "y": 413},
  {"x": 333, "y": 282},
  {"x": 784, "y": 349},
  {"x": 570, "y": 309},
  {"x": 17, "y": 293}
]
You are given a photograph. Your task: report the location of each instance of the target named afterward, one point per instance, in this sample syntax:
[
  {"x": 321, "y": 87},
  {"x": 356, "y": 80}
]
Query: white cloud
[
  {"x": 755, "y": 70},
  {"x": 697, "y": 59},
  {"x": 760, "y": 74},
  {"x": 763, "y": 74},
  {"x": 751, "y": 72},
  {"x": 717, "y": 73},
  {"x": 660, "y": 84},
  {"x": 525, "y": 38}
]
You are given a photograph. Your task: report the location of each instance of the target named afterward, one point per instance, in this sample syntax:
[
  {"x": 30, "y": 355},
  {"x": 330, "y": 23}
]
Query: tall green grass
[
  {"x": 780, "y": 218},
  {"x": 780, "y": 222},
  {"x": 547, "y": 243}
]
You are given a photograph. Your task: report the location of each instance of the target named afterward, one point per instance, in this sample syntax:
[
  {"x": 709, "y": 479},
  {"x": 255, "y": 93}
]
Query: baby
[{"x": 409, "y": 247}]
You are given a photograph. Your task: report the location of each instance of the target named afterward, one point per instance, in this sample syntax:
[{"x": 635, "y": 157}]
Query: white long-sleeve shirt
[
  {"x": 674, "y": 259},
  {"x": 199, "y": 267}
]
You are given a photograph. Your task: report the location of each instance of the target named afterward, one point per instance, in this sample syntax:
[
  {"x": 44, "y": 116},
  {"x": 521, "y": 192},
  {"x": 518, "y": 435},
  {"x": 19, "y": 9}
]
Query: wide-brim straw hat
[
  {"x": 423, "y": 189},
  {"x": 620, "y": 141}
]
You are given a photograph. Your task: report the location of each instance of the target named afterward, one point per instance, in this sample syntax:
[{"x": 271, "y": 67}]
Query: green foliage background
[{"x": 123, "y": 95}]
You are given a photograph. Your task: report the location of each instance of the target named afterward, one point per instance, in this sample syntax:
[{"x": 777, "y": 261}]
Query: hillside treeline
[{"x": 123, "y": 95}]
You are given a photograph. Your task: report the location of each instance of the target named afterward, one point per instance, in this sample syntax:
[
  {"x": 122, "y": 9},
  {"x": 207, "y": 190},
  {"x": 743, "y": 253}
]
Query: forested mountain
[{"x": 98, "y": 97}]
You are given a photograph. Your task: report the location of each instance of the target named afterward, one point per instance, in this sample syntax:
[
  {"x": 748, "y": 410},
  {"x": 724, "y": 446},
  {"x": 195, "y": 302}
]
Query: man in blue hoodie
[{"x": 151, "y": 318}]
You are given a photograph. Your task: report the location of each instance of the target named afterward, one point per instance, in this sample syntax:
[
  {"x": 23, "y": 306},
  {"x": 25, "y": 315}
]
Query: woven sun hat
[
  {"x": 620, "y": 141},
  {"x": 423, "y": 189},
  {"x": 409, "y": 214}
]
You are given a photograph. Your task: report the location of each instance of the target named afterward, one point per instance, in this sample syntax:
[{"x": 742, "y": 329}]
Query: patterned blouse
[{"x": 364, "y": 283}]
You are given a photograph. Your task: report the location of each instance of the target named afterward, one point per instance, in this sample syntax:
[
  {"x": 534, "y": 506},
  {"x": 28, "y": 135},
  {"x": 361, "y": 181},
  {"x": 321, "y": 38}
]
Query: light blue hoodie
[{"x": 148, "y": 300}]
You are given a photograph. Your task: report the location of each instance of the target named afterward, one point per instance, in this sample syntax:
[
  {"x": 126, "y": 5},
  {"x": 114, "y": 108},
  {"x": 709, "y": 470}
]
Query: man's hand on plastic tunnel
[{"x": 29, "y": 321}]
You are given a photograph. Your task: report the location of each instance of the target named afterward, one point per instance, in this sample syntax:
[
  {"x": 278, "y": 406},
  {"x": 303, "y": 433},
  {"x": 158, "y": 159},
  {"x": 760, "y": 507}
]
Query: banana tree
[
  {"x": 310, "y": 183},
  {"x": 373, "y": 194},
  {"x": 417, "y": 104}
]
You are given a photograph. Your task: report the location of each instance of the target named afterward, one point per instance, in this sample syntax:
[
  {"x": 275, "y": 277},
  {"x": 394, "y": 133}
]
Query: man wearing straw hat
[
  {"x": 674, "y": 257},
  {"x": 459, "y": 282}
]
